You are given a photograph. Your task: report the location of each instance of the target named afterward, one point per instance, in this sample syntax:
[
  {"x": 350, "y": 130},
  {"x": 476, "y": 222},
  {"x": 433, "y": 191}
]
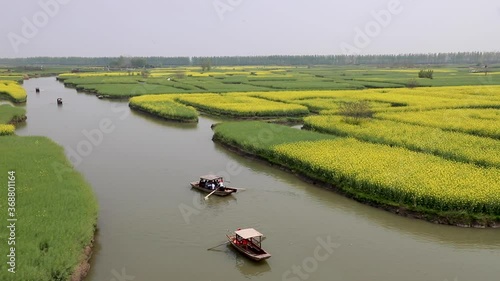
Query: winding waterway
[{"x": 153, "y": 226}]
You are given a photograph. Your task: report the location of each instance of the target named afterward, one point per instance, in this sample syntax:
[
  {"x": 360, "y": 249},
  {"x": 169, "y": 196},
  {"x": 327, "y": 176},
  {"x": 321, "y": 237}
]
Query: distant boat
[
  {"x": 213, "y": 184},
  {"x": 249, "y": 242},
  {"x": 59, "y": 101},
  {"x": 37, "y": 90}
]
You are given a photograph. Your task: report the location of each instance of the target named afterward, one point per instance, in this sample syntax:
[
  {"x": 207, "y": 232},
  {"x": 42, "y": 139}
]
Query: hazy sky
[{"x": 245, "y": 27}]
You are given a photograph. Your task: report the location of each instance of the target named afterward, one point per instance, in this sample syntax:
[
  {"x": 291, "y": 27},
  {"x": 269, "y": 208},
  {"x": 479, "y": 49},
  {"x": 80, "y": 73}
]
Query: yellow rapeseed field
[
  {"x": 452, "y": 145},
  {"x": 482, "y": 122},
  {"x": 242, "y": 105},
  {"x": 7, "y": 129},
  {"x": 397, "y": 174},
  {"x": 401, "y": 99},
  {"x": 165, "y": 106},
  {"x": 13, "y": 90}
]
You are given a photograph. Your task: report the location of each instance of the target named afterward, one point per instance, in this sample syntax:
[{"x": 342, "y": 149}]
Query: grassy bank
[
  {"x": 11, "y": 114},
  {"x": 164, "y": 106},
  {"x": 430, "y": 187},
  {"x": 55, "y": 207}
]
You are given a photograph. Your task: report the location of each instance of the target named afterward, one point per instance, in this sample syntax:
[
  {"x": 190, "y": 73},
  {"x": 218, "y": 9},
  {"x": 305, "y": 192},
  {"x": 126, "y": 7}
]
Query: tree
[
  {"x": 120, "y": 62},
  {"x": 354, "y": 112},
  {"x": 426, "y": 73},
  {"x": 145, "y": 73},
  {"x": 206, "y": 64},
  {"x": 138, "y": 62}
]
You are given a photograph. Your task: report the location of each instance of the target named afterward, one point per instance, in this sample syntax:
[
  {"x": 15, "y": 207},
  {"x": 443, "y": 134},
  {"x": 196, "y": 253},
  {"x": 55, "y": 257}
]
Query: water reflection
[{"x": 248, "y": 267}]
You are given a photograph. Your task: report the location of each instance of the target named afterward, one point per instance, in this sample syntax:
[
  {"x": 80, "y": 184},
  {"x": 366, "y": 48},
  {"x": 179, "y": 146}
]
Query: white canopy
[
  {"x": 248, "y": 233},
  {"x": 210, "y": 177}
]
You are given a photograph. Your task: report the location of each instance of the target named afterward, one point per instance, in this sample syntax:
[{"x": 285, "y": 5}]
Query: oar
[
  {"x": 218, "y": 246},
  {"x": 206, "y": 197}
]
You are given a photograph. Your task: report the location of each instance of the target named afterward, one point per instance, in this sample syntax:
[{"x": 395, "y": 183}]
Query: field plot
[
  {"x": 451, "y": 145},
  {"x": 239, "y": 105},
  {"x": 261, "y": 78},
  {"x": 12, "y": 91},
  {"x": 377, "y": 173},
  {"x": 166, "y": 107},
  {"x": 398, "y": 99},
  {"x": 481, "y": 122},
  {"x": 10, "y": 114}
]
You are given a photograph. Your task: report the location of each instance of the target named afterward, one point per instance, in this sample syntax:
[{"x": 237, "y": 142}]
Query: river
[{"x": 153, "y": 226}]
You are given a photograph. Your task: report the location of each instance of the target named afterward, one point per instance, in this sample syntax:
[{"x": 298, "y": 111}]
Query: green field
[
  {"x": 55, "y": 207},
  {"x": 10, "y": 114},
  {"x": 119, "y": 84}
]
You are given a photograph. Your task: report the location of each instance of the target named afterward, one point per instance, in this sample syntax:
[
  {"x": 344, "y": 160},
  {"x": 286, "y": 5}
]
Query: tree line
[{"x": 479, "y": 58}]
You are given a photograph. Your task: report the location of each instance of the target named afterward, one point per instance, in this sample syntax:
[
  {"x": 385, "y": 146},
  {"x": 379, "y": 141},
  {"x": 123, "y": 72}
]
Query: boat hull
[
  {"x": 252, "y": 252},
  {"x": 225, "y": 192}
]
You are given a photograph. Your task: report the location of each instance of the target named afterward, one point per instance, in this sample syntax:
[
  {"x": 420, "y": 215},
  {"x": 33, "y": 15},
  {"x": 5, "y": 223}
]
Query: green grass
[
  {"x": 102, "y": 80},
  {"x": 128, "y": 90},
  {"x": 209, "y": 84},
  {"x": 259, "y": 137},
  {"x": 10, "y": 113},
  {"x": 55, "y": 207},
  {"x": 18, "y": 78}
]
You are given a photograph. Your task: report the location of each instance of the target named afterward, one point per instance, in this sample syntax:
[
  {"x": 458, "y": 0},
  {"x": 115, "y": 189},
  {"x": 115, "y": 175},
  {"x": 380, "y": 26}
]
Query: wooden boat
[
  {"x": 59, "y": 101},
  {"x": 209, "y": 183},
  {"x": 249, "y": 242}
]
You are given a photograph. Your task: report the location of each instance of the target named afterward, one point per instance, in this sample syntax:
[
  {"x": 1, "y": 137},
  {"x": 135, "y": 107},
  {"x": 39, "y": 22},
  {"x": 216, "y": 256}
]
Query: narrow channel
[{"x": 153, "y": 226}]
